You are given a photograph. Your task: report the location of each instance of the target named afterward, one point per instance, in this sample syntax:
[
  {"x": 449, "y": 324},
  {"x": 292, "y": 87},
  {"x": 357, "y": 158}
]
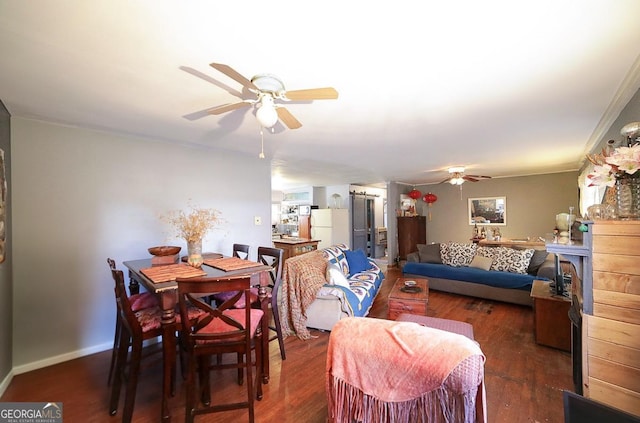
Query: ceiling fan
[
  {"x": 268, "y": 89},
  {"x": 457, "y": 176}
]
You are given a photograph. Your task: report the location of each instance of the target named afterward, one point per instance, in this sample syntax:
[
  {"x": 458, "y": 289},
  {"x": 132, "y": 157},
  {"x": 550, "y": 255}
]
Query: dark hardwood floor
[{"x": 524, "y": 381}]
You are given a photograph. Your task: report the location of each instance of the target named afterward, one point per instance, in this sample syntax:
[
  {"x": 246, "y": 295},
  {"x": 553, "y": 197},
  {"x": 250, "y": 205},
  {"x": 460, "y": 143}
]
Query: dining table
[{"x": 160, "y": 279}]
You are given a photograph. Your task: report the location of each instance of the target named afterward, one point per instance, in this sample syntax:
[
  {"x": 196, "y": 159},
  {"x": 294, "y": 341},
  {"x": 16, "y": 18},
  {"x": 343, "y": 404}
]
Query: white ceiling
[{"x": 503, "y": 87}]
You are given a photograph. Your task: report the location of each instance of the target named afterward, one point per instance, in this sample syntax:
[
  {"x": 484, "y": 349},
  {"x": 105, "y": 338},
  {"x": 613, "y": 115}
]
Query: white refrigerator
[{"x": 330, "y": 226}]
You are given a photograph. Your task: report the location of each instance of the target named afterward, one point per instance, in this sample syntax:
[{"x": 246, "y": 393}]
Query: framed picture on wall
[{"x": 488, "y": 211}]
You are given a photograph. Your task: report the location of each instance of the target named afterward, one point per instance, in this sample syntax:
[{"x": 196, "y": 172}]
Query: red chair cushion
[
  {"x": 142, "y": 301},
  {"x": 224, "y": 296},
  {"x": 149, "y": 318},
  {"x": 219, "y": 326},
  {"x": 192, "y": 311}
]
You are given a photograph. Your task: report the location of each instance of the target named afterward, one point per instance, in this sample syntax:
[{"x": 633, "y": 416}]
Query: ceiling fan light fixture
[
  {"x": 268, "y": 83},
  {"x": 266, "y": 113},
  {"x": 456, "y": 180}
]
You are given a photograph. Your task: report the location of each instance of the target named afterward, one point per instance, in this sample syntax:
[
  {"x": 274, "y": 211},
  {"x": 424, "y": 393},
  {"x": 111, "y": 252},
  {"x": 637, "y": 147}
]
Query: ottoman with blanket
[{"x": 402, "y": 372}]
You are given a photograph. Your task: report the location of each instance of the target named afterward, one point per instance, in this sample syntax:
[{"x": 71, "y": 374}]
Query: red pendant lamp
[
  {"x": 429, "y": 198},
  {"x": 415, "y": 194}
]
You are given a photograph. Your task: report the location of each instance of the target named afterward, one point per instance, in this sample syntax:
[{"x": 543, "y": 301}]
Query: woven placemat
[
  {"x": 231, "y": 263},
  {"x": 204, "y": 256},
  {"x": 168, "y": 273}
]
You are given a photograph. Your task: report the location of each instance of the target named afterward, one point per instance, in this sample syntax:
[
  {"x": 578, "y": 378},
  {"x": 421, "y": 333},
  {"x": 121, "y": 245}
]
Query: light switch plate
[{"x": 257, "y": 220}]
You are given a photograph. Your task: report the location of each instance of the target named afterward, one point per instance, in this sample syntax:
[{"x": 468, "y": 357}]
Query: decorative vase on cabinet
[{"x": 628, "y": 198}]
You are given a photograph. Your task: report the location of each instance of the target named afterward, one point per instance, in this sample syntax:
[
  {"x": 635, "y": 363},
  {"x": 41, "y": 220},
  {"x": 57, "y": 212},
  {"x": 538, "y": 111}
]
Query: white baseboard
[
  {"x": 50, "y": 361},
  {"x": 5, "y": 383}
]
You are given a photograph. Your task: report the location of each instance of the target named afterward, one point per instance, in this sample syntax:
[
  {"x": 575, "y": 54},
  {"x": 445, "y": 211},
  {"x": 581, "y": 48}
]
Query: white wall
[{"x": 80, "y": 196}]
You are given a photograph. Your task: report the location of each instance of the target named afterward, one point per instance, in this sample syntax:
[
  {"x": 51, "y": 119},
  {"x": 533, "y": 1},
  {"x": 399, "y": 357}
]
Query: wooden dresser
[
  {"x": 411, "y": 232},
  {"x": 611, "y": 335}
]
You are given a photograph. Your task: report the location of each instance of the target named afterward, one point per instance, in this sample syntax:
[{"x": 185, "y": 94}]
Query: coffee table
[{"x": 408, "y": 302}]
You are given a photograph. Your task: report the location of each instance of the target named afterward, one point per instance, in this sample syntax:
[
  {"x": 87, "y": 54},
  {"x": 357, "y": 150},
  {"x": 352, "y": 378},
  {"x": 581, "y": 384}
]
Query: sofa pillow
[
  {"x": 429, "y": 253},
  {"x": 444, "y": 253},
  {"x": 335, "y": 276},
  {"x": 336, "y": 254},
  {"x": 460, "y": 254},
  {"x": 490, "y": 252},
  {"x": 357, "y": 260},
  {"x": 538, "y": 258},
  {"x": 481, "y": 262},
  {"x": 512, "y": 260}
]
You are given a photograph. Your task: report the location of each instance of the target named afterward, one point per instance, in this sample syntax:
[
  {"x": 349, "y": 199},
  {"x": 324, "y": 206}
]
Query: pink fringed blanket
[
  {"x": 386, "y": 371},
  {"x": 302, "y": 278}
]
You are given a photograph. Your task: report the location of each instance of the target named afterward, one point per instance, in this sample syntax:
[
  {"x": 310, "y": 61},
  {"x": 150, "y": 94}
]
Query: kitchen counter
[{"x": 295, "y": 246}]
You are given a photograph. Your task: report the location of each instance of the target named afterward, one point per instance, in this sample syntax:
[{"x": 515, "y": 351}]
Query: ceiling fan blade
[
  {"x": 446, "y": 180},
  {"x": 479, "y": 176},
  {"x": 470, "y": 178},
  {"x": 231, "y": 73},
  {"x": 228, "y": 107},
  {"x": 327, "y": 93},
  {"x": 287, "y": 118}
]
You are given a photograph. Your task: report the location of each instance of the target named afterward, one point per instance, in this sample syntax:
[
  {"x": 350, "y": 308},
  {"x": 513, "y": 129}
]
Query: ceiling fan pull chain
[{"x": 261, "y": 155}]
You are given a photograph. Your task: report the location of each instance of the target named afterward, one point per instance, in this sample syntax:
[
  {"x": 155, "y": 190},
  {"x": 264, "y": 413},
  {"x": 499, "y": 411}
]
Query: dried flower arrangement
[{"x": 193, "y": 225}]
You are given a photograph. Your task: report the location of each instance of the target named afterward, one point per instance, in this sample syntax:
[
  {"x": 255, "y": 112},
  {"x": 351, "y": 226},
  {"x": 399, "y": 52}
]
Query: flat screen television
[{"x": 578, "y": 409}]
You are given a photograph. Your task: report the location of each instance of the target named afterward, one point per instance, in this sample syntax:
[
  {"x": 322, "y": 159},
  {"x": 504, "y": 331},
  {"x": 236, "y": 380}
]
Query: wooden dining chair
[
  {"x": 272, "y": 257},
  {"x": 222, "y": 329},
  {"x": 138, "y": 302},
  {"x": 241, "y": 251},
  {"x": 135, "y": 328}
]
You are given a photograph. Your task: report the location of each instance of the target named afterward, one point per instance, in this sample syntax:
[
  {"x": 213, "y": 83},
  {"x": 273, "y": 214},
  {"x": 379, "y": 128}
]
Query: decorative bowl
[{"x": 164, "y": 250}]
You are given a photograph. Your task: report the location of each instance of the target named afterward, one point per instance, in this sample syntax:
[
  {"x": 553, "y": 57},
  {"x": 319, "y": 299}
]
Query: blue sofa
[{"x": 463, "y": 279}]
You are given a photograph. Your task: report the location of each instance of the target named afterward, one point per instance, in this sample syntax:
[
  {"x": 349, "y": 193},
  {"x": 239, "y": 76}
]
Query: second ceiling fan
[
  {"x": 267, "y": 90},
  {"x": 457, "y": 176}
]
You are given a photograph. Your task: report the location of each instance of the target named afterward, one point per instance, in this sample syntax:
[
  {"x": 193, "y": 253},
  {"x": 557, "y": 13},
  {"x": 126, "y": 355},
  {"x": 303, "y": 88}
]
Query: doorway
[{"x": 363, "y": 223}]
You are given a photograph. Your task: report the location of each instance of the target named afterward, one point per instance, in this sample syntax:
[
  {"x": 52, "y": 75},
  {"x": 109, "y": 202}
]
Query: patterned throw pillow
[
  {"x": 490, "y": 252},
  {"x": 460, "y": 254},
  {"x": 335, "y": 254},
  {"x": 444, "y": 253},
  {"x": 510, "y": 260}
]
